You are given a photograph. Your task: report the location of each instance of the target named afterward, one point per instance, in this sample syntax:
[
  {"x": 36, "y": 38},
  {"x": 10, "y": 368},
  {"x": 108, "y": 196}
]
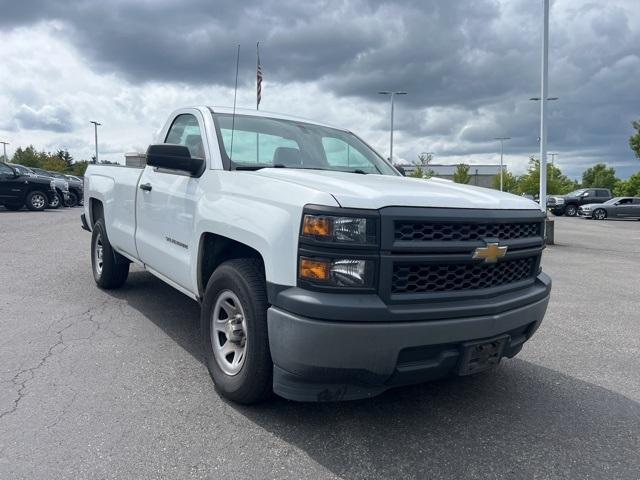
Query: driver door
[{"x": 165, "y": 207}]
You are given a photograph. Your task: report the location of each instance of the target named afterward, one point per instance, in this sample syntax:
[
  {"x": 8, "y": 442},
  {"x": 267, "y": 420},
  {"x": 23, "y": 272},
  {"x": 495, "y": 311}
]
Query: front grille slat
[
  {"x": 441, "y": 232},
  {"x": 427, "y": 277}
]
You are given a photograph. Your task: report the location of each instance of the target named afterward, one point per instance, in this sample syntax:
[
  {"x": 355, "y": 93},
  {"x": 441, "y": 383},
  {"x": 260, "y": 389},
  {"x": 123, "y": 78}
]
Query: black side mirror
[
  {"x": 174, "y": 157},
  {"x": 401, "y": 169}
]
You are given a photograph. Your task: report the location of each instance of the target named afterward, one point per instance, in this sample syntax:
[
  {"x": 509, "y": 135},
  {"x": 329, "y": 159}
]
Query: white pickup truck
[{"x": 322, "y": 273}]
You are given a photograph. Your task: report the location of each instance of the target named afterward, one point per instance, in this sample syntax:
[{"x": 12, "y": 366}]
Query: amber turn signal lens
[
  {"x": 314, "y": 269},
  {"x": 316, "y": 226}
]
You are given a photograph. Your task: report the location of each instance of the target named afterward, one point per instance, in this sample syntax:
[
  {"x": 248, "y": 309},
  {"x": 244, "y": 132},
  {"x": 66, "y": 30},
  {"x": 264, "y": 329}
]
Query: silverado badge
[{"x": 491, "y": 253}]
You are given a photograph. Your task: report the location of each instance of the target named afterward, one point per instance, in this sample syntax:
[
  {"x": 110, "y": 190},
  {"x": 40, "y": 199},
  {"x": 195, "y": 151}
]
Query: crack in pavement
[{"x": 24, "y": 375}]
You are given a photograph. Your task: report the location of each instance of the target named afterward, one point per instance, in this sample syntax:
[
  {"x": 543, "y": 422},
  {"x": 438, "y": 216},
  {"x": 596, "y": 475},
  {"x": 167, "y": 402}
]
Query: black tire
[
  {"x": 570, "y": 210},
  {"x": 55, "y": 203},
  {"x": 36, "y": 201},
  {"x": 14, "y": 207},
  {"x": 252, "y": 382},
  {"x": 599, "y": 214},
  {"x": 110, "y": 269},
  {"x": 73, "y": 200}
]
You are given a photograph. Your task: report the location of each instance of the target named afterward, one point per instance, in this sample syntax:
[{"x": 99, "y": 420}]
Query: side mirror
[
  {"x": 585, "y": 194},
  {"x": 401, "y": 169},
  {"x": 174, "y": 157}
]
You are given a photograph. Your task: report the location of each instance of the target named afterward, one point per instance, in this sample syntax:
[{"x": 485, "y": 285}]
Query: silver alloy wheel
[
  {"x": 98, "y": 252},
  {"x": 229, "y": 333},
  {"x": 571, "y": 211},
  {"x": 55, "y": 202},
  {"x": 38, "y": 200},
  {"x": 600, "y": 214}
]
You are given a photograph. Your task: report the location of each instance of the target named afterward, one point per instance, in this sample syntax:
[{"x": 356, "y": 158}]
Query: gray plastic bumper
[{"x": 319, "y": 360}]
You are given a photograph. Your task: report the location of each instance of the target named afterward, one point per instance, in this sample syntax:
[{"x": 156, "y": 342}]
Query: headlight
[
  {"x": 329, "y": 228},
  {"x": 559, "y": 201},
  {"x": 337, "y": 272}
]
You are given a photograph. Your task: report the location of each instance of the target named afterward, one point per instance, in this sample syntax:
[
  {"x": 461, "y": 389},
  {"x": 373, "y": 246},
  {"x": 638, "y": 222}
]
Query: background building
[{"x": 481, "y": 175}]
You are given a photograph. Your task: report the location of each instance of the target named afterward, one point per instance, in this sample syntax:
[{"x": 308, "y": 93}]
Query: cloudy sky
[{"x": 469, "y": 67}]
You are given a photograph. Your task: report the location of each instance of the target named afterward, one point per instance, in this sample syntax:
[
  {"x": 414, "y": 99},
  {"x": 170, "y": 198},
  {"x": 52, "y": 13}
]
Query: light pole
[
  {"x": 502, "y": 139},
  {"x": 4, "y": 149},
  {"x": 392, "y": 97},
  {"x": 95, "y": 129},
  {"x": 544, "y": 78}
]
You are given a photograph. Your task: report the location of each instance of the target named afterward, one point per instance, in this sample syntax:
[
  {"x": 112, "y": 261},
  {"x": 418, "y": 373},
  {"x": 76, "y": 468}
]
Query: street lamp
[
  {"x": 502, "y": 139},
  {"x": 392, "y": 97},
  {"x": 544, "y": 96},
  {"x": 4, "y": 149},
  {"x": 95, "y": 128}
]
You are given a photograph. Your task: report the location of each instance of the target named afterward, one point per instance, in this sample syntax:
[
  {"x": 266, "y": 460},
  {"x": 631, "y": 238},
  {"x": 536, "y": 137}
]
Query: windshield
[{"x": 259, "y": 142}]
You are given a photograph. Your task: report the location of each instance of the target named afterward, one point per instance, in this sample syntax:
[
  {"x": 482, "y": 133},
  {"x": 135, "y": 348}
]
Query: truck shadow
[{"x": 521, "y": 421}]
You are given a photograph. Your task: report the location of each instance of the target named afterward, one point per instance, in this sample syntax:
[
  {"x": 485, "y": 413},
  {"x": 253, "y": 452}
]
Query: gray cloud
[
  {"x": 55, "y": 118},
  {"x": 469, "y": 67}
]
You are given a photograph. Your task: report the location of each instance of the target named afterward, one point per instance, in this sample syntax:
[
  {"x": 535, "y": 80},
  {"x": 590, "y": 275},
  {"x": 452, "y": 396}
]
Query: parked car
[
  {"x": 18, "y": 189},
  {"x": 618, "y": 207},
  {"x": 76, "y": 190},
  {"x": 568, "y": 204},
  {"x": 323, "y": 274},
  {"x": 62, "y": 187}
]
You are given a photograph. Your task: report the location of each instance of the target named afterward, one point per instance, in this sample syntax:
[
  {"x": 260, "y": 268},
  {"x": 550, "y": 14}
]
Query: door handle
[{"x": 146, "y": 187}]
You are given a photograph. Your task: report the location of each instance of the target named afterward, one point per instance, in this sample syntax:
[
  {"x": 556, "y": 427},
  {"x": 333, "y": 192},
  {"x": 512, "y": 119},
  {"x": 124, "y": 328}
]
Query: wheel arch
[{"x": 213, "y": 250}]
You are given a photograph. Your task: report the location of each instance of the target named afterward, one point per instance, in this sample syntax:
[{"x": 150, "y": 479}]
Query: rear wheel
[
  {"x": 600, "y": 214},
  {"x": 110, "y": 270},
  {"x": 570, "y": 210},
  {"x": 234, "y": 325},
  {"x": 36, "y": 201}
]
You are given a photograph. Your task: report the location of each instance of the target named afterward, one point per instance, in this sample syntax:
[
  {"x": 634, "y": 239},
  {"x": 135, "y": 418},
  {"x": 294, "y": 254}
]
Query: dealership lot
[{"x": 102, "y": 384}]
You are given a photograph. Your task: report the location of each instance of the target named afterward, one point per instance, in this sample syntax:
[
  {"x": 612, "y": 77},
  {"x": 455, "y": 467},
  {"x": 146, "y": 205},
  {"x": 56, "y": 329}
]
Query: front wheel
[
  {"x": 55, "y": 203},
  {"x": 36, "y": 201},
  {"x": 570, "y": 210},
  {"x": 109, "y": 269},
  {"x": 600, "y": 214},
  {"x": 73, "y": 200},
  {"x": 234, "y": 327}
]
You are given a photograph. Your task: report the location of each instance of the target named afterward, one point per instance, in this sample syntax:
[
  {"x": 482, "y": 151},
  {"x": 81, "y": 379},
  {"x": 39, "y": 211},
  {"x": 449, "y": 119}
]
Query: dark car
[
  {"x": 619, "y": 207},
  {"x": 76, "y": 190},
  {"x": 568, "y": 204},
  {"x": 62, "y": 186},
  {"x": 18, "y": 190}
]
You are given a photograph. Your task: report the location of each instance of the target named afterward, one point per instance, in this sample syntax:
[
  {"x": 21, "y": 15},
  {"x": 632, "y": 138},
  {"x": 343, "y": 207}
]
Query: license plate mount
[{"x": 481, "y": 355}]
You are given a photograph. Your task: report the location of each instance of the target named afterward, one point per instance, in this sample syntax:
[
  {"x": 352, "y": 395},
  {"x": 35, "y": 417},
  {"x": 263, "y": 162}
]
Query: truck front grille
[
  {"x": 428, "y": 277},
  {"x": 442, "y": 232}
]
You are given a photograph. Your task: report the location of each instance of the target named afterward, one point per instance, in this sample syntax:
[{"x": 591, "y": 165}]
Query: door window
[
  {"x": 186, "y": 131},
  {"x": 602, "y": 193},
  {"x": 5, "y": 170}
]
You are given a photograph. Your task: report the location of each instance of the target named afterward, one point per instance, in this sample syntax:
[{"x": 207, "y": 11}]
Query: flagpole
[{"x": 258, "y": 88}]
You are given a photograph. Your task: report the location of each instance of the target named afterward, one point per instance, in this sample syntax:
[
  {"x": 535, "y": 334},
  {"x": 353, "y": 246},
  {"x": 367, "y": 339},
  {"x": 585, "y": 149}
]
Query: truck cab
[{"x": 322, "y": 273}]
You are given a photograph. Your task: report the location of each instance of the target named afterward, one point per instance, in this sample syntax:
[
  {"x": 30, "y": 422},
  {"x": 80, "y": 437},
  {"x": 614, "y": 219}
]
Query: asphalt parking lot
[{"x": 99, "y": 384}]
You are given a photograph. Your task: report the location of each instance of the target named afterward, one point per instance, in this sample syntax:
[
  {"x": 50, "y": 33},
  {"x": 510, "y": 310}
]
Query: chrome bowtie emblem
[{"x": 491, "y": 253}]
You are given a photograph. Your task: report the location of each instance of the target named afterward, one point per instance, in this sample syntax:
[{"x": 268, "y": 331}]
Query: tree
[
  {"x": 599, "y": 176},
  {"x": 510, "y": 182},
  {"x": 29, "y": 157},
  {"x": 78, "y": 168},
  {"x": 53, "y": 163},
  {"x": 628, "y": 188},
  {"x": 422, "y": 169},
  {"x": 634, "y": 140},
  {"x": 461, "y": 174},
  {"x": 557, "y": 183}
]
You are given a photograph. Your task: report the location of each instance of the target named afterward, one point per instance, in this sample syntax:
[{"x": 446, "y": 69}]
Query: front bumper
[{"x": 324, "y": 360}]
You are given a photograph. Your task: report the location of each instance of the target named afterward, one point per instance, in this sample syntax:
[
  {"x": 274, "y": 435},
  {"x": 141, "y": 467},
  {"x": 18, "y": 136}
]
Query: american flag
[{"x": 258, "y": 78}]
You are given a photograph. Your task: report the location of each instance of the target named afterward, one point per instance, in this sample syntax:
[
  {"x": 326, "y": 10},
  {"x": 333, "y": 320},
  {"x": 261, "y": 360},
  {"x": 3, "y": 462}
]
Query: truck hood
[{"x": 352, "y": 190}]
